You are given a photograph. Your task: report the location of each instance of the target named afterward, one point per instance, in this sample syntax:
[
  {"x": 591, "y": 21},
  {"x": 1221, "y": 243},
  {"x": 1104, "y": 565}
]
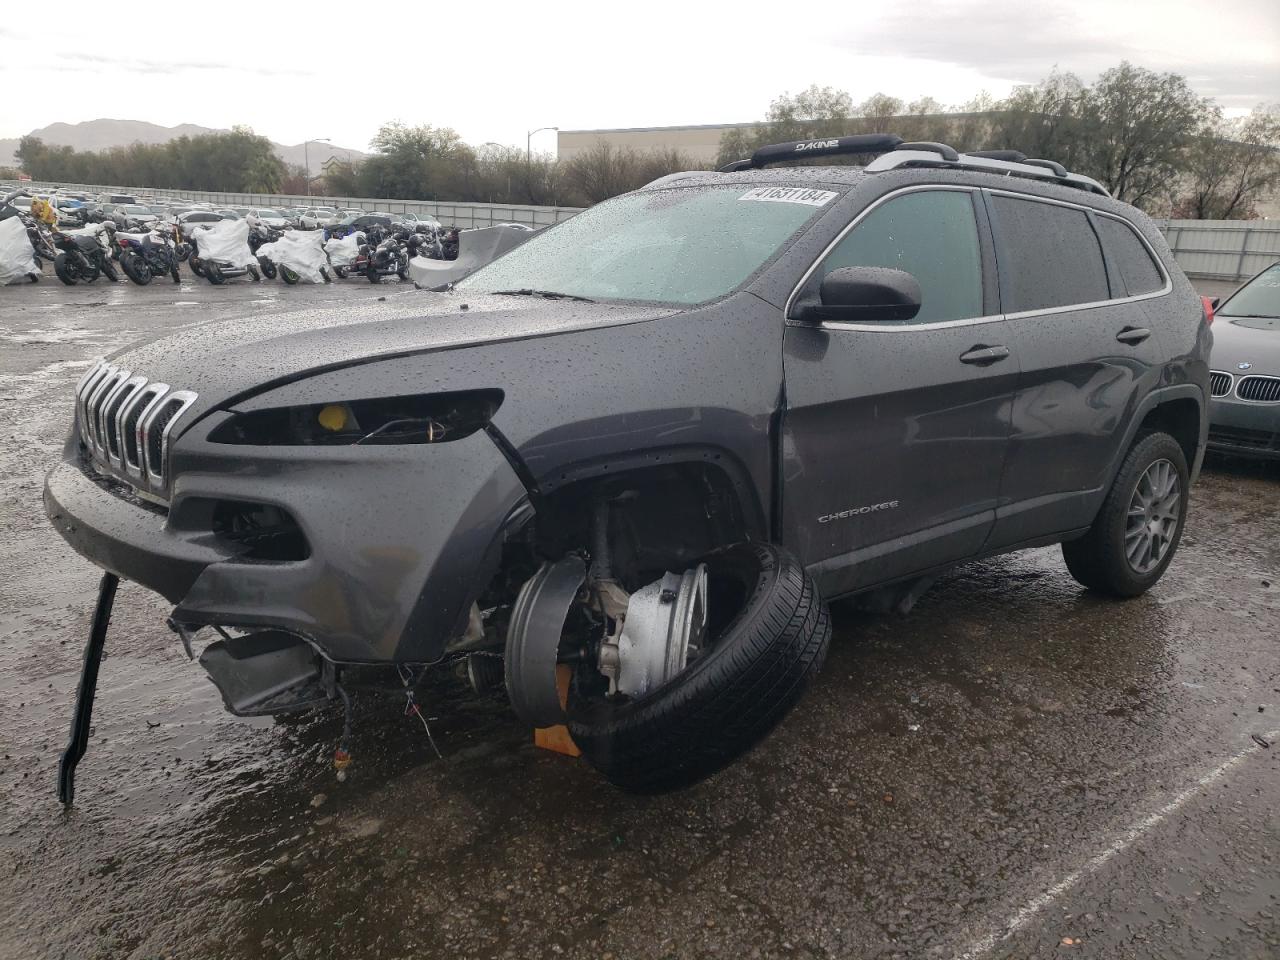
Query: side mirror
[{"x": 862, "y": 295}]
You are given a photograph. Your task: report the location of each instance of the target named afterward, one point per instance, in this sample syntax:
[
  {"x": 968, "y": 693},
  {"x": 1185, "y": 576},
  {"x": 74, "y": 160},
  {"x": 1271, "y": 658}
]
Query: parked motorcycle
[
  {"x": 259, "y": 236},
  {"x": 84, "y": 254},
  {"x": 221, "y": 252},
  {"x": 147, "y": 255},
  {"x": 389, "y": 257}
]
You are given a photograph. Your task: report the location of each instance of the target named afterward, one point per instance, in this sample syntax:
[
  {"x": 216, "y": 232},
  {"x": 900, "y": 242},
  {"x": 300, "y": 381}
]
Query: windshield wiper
[
  {"x": 1252, "y": 316},
  {"x": 548, "y": 294}
]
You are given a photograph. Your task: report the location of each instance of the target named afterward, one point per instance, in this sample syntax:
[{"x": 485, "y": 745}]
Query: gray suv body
[{"x": 869, "y": 374}]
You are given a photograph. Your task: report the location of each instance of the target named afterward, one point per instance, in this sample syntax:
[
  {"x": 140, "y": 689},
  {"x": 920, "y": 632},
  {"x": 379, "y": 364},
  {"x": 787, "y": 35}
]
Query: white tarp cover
[
  {"x": 302, "y": 251},
  {"x": 17, "y": 258},
  {"x": 343, "y": 251},
  {"x": 226, "y": 241}
]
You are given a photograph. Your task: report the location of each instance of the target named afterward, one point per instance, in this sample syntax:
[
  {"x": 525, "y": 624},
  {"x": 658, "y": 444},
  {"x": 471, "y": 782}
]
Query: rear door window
[
  {"x": 930, "y": 234},
  {"x": 1049, "y": 256},
  {"x": 1129, "y": 255}
]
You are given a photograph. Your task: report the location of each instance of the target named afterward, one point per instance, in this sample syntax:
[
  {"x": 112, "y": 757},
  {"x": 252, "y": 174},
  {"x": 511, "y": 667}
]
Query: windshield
[
  {"x": 134, "y": 208},
  {"x": 683, "y": 245},
  {"x": 270, "y": 213},
  {"x": 1260, "y": 297}
]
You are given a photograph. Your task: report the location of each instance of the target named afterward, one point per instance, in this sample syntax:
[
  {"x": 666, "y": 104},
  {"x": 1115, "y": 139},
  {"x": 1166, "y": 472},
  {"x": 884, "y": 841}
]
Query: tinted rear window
[
  {"x": 1049, "y": 256},
  {"x": 1138, "y": 272}
]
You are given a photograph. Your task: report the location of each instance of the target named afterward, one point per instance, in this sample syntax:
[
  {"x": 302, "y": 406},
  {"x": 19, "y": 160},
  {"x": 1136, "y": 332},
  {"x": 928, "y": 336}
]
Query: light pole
[
  {"x": 306, "y": 157},
  {"x": 528, "y": 143}
]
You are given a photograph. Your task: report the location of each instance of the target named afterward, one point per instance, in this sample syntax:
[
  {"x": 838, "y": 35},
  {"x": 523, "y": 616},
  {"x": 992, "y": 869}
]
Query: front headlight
[{"x": 426, "y": 418}]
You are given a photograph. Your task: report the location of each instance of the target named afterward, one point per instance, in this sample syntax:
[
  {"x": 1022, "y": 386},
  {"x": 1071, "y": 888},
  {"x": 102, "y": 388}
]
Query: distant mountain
[{"x": 101, "y": 134}]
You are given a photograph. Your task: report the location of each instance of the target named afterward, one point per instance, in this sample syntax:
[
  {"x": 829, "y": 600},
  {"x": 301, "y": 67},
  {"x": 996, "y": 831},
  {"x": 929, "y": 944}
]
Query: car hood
[
  {"x": 1251, "y": 340},
  {"x": 225, "y": 361}
]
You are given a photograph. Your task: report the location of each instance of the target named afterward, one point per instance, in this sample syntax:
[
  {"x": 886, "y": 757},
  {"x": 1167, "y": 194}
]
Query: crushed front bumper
[{"x": 400, "y": 539}]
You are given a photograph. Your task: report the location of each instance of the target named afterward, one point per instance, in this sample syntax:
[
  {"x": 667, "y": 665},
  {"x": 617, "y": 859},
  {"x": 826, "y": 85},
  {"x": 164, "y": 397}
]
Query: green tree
[
  {"x": 1134, "y": 127},
  {"x": 1231, "y": 164}
]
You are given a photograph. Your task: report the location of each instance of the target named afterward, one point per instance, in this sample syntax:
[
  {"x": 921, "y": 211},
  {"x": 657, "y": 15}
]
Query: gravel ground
[{"x": 1015, "y": 769}]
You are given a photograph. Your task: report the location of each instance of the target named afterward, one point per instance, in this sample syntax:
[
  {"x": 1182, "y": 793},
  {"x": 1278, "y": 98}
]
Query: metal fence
[
  {"x": 450, "y": 214},
  {"x": 1214, "y": 249},
  {"x": 1223, "y": 249}
]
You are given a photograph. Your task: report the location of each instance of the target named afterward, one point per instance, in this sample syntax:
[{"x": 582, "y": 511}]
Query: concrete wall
[
  {"x": 702, "y": 143},
  {"x": 450, "y": 214}
]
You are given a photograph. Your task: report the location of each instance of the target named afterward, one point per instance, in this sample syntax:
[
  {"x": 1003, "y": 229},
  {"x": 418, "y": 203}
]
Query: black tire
[
  {"x": 196, "y": 266},
  {"x": 109, "y": 270},
  {"x": 1098, "y": 560},
  {"x": 726, "y": 701},
  {"x": 288, "y": 276},
  {"x": 213, "y": 273},
  {"x": 65, "y": 272},
  {"x": 372, "y": 273},
  {"x": 253, "y": 272},
  {"x": 268, "y": 268},
  {"x": 136, "y": 269},
  {"x": 173, "y": 271},
  {"x": 341, "y": 272}
]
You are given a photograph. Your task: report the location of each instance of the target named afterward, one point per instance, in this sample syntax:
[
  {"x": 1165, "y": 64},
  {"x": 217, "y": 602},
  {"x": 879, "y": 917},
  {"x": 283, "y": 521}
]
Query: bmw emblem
[{"x": 1243, "y": 366}]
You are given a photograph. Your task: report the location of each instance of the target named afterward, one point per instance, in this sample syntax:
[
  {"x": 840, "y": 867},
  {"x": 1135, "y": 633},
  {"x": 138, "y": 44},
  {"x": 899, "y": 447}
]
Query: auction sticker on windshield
[{"x": 813, "y": 198}]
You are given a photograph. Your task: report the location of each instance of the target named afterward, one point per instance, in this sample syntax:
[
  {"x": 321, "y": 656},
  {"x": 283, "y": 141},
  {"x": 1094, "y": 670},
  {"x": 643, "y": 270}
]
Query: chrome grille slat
[
  {"x": 1219, "y": 383},
  {"x": 125, "y": 423},
  {"x": 1259, "y": 389}
]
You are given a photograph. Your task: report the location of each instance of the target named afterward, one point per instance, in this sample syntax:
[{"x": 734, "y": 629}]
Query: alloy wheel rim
[{"x": 1154, "y": 512}]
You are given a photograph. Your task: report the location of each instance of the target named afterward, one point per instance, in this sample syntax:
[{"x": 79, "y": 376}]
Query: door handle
[
  {"x": 983, "y": 355},
  {"x": 1133, "y": 334}
]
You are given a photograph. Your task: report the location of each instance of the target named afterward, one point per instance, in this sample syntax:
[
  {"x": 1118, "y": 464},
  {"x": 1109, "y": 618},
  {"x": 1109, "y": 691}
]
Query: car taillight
[{"x": 1210, "y": 304}]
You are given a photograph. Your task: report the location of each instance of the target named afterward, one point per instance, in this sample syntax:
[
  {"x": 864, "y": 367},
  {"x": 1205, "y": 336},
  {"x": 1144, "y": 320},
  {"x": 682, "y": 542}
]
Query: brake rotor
[{"x": 665, "y": 620}]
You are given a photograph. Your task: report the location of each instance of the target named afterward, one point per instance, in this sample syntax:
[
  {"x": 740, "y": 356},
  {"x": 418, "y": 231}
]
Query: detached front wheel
[{"x": 767, "y": 634}]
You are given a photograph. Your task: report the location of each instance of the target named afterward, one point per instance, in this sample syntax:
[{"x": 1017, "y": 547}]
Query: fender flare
[{"x": 1180, "y": 391}]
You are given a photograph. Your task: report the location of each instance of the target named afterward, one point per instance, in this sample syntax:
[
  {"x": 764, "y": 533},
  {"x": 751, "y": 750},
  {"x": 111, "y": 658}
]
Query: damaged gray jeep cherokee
[{"x": 623, "y": 468}]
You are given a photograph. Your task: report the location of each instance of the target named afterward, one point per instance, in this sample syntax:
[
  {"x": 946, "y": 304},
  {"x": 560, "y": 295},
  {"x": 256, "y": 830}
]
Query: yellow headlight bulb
[{"x": 334, "y": 417}]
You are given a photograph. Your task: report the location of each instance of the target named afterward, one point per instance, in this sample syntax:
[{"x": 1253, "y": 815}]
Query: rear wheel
[
  {"x": 212, "y": 272},
  {"x": 136, "y": 268},
  {"x": 372, "y": 273},
  {"x": 268, "y": 268},
  {"x": 1137, "y": 531},
  {"x": 288, "y": 276},
  {"x": 109, "y": 269},
  {"x": 65, "y": 270},
  {"x": 197, "y": 266},
  {"x": 770, "y": 631}
]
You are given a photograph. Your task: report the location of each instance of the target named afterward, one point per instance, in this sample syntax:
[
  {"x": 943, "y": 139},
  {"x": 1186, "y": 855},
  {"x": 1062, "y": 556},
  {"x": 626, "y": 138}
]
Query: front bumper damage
[{"x": 399, "y": 539}]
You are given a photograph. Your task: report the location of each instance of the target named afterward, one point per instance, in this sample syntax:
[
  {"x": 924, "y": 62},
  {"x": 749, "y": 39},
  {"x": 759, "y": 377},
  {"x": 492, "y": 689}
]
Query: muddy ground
[{"x": 1015, "y": 769}]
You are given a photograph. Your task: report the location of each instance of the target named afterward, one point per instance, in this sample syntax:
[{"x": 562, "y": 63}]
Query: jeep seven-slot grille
[
  {"x": 125, "y": 422},
  {"x": 1219, "y": 383},
  {"x": 1259, "y": 389}
]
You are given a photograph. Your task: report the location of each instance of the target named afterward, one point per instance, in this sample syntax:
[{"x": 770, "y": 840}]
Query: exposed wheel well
[
  {"x": 660, "y": 518},
  {"x": 1180, "y": 419}
]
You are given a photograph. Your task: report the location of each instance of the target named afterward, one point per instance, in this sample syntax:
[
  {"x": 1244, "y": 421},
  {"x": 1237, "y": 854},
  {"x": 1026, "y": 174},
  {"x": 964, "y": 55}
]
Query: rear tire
[
  {"x": 65, "y": 272},
  {"x": 213, "y": 273},
  {"x": 372, "y": 273},
  {"x": 732, "y": 696},
  {"x": 109, "y": 270},
  {"x": 1114, "y": 558},
  {"x": 288, "y": 276},
  {"x": 196, "y": 266},
  {"x": 136, "y": 269}
]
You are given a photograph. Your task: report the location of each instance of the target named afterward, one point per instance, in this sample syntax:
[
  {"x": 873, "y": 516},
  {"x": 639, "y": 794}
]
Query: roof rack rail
[
  {"x": 941, "y": 149},
  {"x": 895, "y": 152},
  {"x": 1009, "y": 156}
]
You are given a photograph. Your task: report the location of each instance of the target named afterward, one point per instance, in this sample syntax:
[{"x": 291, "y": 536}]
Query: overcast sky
[{"x": 494, "y": 70}]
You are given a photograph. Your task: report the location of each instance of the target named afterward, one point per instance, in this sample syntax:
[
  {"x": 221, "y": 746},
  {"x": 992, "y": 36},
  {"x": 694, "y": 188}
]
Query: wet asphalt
[{"x": 1014, "y": 769}]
